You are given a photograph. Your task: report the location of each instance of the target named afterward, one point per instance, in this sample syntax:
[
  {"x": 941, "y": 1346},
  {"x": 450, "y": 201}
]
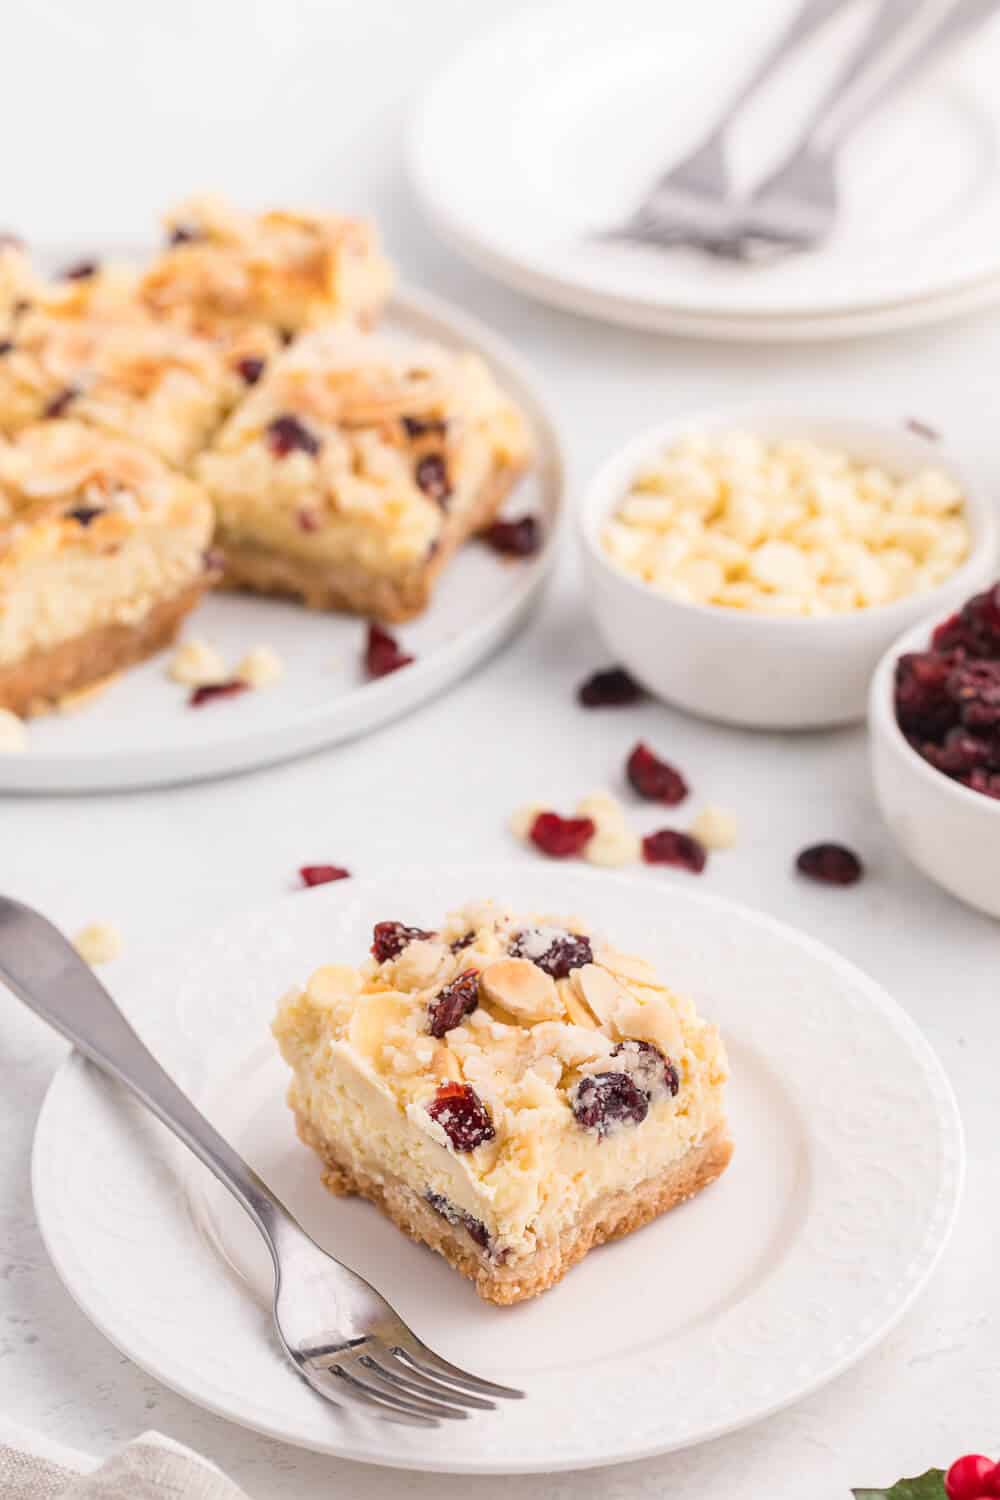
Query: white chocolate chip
[
  {"x": 13, "y": 733},
  {"x": 98, "y": 943},
  {"x": 260, "y": 667},
  {"x": 522, "y": 989},
  {"x": 197, "y": 664},
  {"x": 617, "y": 846},
  {"x": 715, "y": 828}
]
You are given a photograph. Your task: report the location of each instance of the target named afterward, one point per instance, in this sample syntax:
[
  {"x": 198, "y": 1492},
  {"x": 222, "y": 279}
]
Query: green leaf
[{"x": 929, "y": 1486}]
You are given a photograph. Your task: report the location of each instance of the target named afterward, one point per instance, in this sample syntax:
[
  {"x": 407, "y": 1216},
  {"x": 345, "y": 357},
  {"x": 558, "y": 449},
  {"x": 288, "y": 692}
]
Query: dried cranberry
[
  {"x": 986, "y": 782},
  {"x": 565, "y": 951},
  {"x": 6, "y": 345},
  {"x": 976, "y": 627},
  {"x": 184, "y": 234},
  {"x": 960, "y": 752},
  {"x": 831, "y": 864},
  {"x": 561, "y": 837},
  {"x": 383, "y": 653},
  {"x": 251, "y": 368},
  {"x": 923, "y": 429},
  {"x": 85, "y": 514},
  {"x": 604, "y": 1100},
  {"x": 390, "y": 938},
  {"x": 81, "y": 271},
  {"x": 924, "y": 706},
  {"x": 653, "y": 778},
  {"x": 416, "y": 427},
  {"x": 463, "y": 942},
  {"x": 456, "y": 1001},
  {"x": 308, "y": 520},
  {"x": 668, "y": 846},
  {"x": 474, "y": 1227},
  {"x": 462, "y": 1115},
  {"x": 520, "y": 538},
  {"x": 286, "y": 434},
  {"x": 975, "y": 687},
  {"x": 213, "y": 561},
  {"x": 209, "y": 691},
  {"x": 432, "y": 477},
  {"x": 655, "y": 1073},
  {"x": 612, "y": 688},
  {"x": 322, "y": 874},
  {"x": 59, "y": 403}
]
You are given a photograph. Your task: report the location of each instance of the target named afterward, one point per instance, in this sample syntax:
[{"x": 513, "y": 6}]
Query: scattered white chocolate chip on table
[
  {"x": 195, "y": 663},
  {"x": 260, "y": 667},
  {"x": 98, "y": 943},
  {"x": 715, "y": 828}
]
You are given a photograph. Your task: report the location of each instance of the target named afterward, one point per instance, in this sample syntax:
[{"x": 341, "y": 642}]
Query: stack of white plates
[{"x": 552, "y": 127}]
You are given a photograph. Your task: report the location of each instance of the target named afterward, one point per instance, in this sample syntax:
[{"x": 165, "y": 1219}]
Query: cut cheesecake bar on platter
[
  {"x": 125, "y": 374},
  {"x": 102, "y": 554},
  {"x": 222, "y": 269},
  {"x": 511, "y": 1091},
  {"x": 356, "y": 467}
]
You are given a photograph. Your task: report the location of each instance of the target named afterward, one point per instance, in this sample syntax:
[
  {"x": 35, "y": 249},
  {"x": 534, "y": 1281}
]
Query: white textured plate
[
  {"x": 832, "y": 1216},
  {"x": 141, "y": 732},
  {"x": 567, "y": 114}
]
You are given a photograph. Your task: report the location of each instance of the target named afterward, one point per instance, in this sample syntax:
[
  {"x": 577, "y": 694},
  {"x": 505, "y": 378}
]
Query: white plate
[
  {"x": 141, "y": 732},
  {"x": 567, "y": 114},
  {"x": 838, "y": 1204}
]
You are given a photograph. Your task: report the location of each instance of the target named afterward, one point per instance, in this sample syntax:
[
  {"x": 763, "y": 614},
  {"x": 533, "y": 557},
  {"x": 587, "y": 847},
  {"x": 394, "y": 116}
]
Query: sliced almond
[
  {"x": 333, "y": 983},
  {"x": 626, "y": 966},
  {"x": 445, "y": 1065},
  {"x": 600, "y": 991},
  {"x": 522, "y": 989},
  {"x": 576, "y": 1010},
  {"x": 654, "y": 1022}
]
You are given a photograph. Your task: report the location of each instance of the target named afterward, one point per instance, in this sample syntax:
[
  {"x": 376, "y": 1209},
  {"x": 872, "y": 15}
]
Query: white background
[{"x": 110, "y": 109}]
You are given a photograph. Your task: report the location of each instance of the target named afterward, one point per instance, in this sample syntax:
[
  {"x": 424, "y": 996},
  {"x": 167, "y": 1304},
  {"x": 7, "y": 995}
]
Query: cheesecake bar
[
  {"x": 126, "y": 374},
  {"x": 511, "y": 1091},
  {"x": 223, "y": 269},
  {"x": 356, "y": 467},
  {"x": 102, "y": 554}
]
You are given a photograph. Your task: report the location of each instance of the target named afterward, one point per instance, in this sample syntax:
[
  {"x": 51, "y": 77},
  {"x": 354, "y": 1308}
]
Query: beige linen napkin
[{"x": 150, "y": 1468}]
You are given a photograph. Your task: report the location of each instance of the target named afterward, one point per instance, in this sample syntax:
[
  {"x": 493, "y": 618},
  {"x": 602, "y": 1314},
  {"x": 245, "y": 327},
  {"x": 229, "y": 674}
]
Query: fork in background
[
  {"x": 342, "y": 1337},
  {"x": 692, "y": 199}
]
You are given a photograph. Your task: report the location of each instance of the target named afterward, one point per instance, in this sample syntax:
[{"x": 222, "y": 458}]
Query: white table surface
[{"x": 117, "y": 108}]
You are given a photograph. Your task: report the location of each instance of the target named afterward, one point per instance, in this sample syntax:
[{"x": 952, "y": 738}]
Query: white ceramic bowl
[
  {"x": 757, "y": 670},
  {"x": 950, "y": 832}
]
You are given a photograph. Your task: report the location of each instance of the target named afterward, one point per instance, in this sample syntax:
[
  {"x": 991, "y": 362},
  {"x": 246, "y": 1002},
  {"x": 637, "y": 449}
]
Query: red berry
[
  {"x": 431, "y": 475},
  {"x": 520, "y": 538},
  {"x": 611, "y": 688},
  {"x": 209, "y": 691},
  {"x": 286, "y": 434},
  {"x": 653, "y": 778},
  {"x": 390, "y": 938},
  {"x": 566, "y": 951},
  {"x": 456, "y": 1001},
  {"x": 322, "y": 874},
  {"x": 830, "y": 864},
  {"x": 970, "y": 1477},
  {"x": 462, "y": 1115},
  {"x": 561, "y": 837},
  {"x": 669, "y": 847},
  {"x": 383, "y": 653}
]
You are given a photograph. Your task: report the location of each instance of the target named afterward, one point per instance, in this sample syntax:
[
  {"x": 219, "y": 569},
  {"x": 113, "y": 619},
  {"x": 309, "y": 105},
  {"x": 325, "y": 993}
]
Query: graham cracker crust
[
  {"x": 35, "y": 684},
  {"x": 349, "y": 586},
  {"x": 610, "y": 1217}
]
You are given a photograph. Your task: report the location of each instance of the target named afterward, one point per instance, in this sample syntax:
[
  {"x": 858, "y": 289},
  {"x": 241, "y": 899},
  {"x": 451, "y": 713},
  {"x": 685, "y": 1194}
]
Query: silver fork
[
  {"x": 342, "y": 1337},
  {"x": 795, "y": 208},
  {"x": 692, "y": 199}
]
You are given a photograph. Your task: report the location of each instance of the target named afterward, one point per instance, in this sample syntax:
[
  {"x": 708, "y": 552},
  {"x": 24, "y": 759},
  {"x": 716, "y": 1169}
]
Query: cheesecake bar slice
[
  {"x": 102, "y": 554},
  {"x": 356, "y": 467},
  {"x": 126, "y": 374},
  {"x": 222, "y": 269},
  {"x": 511, "y": 1091}
]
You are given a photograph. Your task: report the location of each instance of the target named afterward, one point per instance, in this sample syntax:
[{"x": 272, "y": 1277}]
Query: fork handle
[
  {"x": 810, "y": 16},
  {"x": 889, "y": 21},
  {"x": 948, "y": 31},
  {"x": 46, "y": 972}
]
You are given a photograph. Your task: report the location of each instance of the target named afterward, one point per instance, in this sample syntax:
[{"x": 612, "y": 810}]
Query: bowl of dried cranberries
[{"x": 935, "y": 744}]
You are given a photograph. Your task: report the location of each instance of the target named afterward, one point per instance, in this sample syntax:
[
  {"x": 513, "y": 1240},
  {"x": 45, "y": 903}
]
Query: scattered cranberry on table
[
  {"x": 561, "y": 837},
  {"x": 830, "y": 864},
  {"x": 383, "y": 653},
  {"x": 520, "y": 538},
  {"x": 671, "y": 847},
  {"x": 322, "y": 874},
  {"x": 612, "y": 688},
  {"x": 972, "y": 1477},
  {"x": 654, "y": 779}
]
